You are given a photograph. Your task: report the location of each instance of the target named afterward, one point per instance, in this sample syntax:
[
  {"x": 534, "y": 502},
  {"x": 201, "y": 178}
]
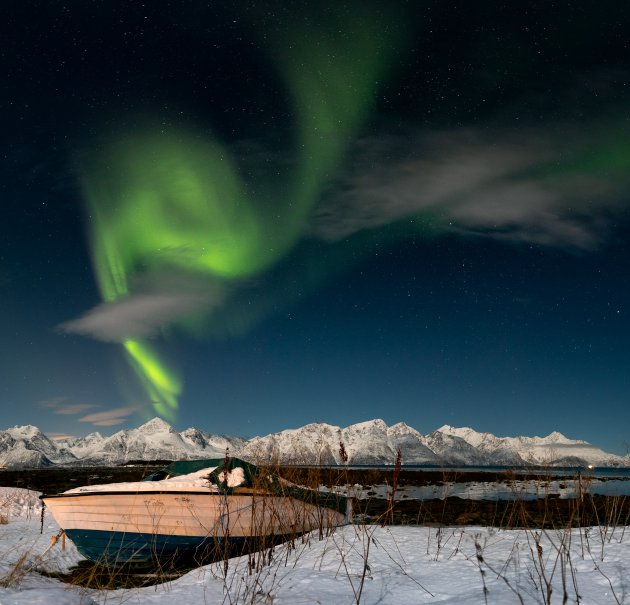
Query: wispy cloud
[
  {"x": 157, "y": 300},
  {"x": 483, "y": 183},
  {"x": 58, "y": 405},
  {"x": 77, "y": 408},
  {"x": 137, "y": 316},
  {"x": 59, "y": 436},
  {"x": 52, "y": 402},
  {"x": 110, "y": 417}
]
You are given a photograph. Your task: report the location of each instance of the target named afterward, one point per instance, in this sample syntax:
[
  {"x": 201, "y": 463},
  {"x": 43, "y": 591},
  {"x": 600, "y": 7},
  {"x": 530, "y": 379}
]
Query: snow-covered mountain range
[
  {"x": 27, "y": 446},
  {"x": 371, "y": 442}
]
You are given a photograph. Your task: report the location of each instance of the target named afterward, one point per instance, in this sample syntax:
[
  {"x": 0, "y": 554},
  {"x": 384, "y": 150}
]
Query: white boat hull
[{"x": 122, "y": 527}]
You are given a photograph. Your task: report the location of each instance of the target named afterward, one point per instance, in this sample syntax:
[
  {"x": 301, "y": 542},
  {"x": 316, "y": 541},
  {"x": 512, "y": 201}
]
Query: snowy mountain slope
[
  {"x": 81, "y": 447},
  {"x": 28, "y": 447},
  {"x": 155, "y": 440},
  {"x": 384, "y": 443},
  {"x": 412, "y": 444},
  {"x": 370, "y": 442},
  {"x": 554, "y": 449},
  {"x": 373, "y": 442},
  {"x": 158, "y": 440},
  {"x": 315, "y": 443},
  {"x": 35, "y": 440},
  {"x": 453, "y": 450},
  {"x": 212, "y": 446},
  {"x": 15, "y": 453}
]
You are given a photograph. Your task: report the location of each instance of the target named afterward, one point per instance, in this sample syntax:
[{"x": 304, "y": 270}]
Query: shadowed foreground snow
[{"x": 380, "y": 565}]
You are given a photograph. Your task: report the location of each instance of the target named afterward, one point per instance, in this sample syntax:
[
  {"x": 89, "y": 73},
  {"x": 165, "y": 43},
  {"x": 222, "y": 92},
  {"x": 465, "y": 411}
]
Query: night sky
[{"x": 249, "y": 216}]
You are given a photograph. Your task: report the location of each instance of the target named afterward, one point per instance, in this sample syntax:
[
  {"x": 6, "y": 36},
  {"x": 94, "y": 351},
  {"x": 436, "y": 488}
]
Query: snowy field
[{"x": 365, "y": 564}]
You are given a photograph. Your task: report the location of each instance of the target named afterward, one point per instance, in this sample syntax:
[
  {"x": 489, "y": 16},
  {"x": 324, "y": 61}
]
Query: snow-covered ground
[{"x": 366, "y": 564}]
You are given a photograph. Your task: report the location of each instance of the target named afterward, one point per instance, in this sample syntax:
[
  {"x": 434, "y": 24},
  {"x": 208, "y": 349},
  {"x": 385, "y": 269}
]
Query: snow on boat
[{"x": 189, "y": 510}]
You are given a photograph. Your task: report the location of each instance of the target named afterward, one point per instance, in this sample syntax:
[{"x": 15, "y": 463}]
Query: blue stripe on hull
[{"x": 117, "y": 548}]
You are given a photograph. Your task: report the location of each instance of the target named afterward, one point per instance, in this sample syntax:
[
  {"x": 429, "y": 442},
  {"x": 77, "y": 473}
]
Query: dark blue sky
[{"x": 424, "y": 217}]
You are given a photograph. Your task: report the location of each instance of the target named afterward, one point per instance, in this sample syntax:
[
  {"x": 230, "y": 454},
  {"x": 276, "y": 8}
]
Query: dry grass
[{"x": 18, "y": 499}]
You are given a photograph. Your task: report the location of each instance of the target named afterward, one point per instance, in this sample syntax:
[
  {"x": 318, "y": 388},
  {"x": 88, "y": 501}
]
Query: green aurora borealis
[{"x": 177, "y": 201}]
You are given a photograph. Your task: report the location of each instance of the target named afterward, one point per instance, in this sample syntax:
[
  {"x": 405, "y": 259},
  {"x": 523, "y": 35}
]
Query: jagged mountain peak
[
  {"x": 322, "y": 427},
  {"x": 26, "y": 430},
  {"x": 445, "y": 428},
  {"x": 156, "y": 425},
  {"x": 368, "y": 425},
  {"x": 459, "y": 431},
  {"x": 400, "y": 428},
  {"x": 558, "y": 437},
  {"x": 95, "y": 436}
]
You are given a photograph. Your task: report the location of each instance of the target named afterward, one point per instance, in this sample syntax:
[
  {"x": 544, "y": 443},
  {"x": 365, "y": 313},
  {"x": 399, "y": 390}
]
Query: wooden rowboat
[{"x": 185, "y": 515}]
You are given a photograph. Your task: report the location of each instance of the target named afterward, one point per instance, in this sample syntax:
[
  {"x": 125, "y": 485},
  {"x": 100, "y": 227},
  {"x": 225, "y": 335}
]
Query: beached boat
[{"x": 189, "y": 510}]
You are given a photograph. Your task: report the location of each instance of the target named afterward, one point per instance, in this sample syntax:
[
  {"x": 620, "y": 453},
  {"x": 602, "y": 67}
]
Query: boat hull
[
  {"x": 114, "y": 549},
  {"x": 123, "y": 527}
]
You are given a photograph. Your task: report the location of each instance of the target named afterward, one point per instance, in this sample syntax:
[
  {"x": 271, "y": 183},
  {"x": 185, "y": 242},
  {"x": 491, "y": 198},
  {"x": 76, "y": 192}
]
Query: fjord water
[{"x": 502, "y": 482}]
